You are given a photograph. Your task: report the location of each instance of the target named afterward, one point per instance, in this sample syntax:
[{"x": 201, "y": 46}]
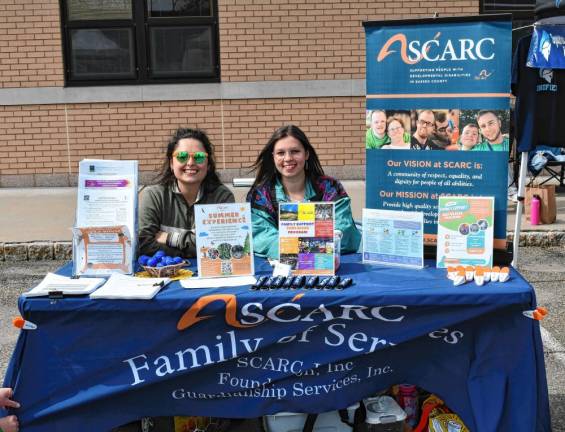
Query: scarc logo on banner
[{"x": 435, "y": 49}]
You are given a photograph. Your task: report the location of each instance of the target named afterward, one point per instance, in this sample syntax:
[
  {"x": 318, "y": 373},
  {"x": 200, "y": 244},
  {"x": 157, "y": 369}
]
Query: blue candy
[
  {"x": 152, "y": 262},
  {"x": 177, "y": 260},
  {"x": 142, "y": 260},
  {"x": 159, "y": 254}
]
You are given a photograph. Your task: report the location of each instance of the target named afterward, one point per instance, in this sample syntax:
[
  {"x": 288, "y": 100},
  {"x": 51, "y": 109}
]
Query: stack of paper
[
  {"x": 54, "y": 283},
  {"x": 128, "y": 287}
]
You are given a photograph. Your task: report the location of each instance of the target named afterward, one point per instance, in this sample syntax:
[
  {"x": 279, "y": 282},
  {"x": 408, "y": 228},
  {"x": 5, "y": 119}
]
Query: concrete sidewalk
[{"x": 47, "y": 214}]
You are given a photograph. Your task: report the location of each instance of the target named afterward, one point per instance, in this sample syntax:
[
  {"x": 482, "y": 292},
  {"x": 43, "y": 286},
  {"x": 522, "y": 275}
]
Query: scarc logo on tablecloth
[
  {"x": 253, "y": 313},
  {"x": 435, "y": 50},
  {"x": 191, "y": 316}
]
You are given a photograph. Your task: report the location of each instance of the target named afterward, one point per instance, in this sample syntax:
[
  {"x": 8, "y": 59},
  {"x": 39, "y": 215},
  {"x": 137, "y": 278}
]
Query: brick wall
[
  {"x": 30, "y": 44},
  {"x": 259, "y": 39},
  {"x": 51, "y": 139},
  {"x": 307, "y": 39}
]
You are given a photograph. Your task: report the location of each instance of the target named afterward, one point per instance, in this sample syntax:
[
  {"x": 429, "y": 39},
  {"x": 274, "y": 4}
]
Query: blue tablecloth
[{"x": 95, "y": 364}]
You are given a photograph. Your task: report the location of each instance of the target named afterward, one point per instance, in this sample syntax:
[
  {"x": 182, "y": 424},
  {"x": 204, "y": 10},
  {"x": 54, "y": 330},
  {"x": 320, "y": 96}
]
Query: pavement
[{"x": 47, "y": 214}]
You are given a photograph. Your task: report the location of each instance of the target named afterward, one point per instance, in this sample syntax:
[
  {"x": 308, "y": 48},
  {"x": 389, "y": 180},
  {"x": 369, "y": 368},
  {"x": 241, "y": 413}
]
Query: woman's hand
[
  {"x": 5, "y": 398},
  {"x": 161, "y": 237}
]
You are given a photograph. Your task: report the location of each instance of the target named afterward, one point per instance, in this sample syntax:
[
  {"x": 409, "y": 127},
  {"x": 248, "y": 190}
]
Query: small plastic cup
[
  {"x": 494, "y": 274},
  {"x": 469, "y": 273}
]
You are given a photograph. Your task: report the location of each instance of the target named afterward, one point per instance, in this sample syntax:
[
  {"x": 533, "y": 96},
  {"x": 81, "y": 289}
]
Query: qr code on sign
[{"x": 226, "y": 267}]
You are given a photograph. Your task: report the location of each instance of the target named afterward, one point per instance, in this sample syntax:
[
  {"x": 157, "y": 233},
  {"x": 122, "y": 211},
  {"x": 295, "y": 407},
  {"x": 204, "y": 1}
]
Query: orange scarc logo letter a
[
  {"x": 191, "y": 317},
  {"x": 385, "y": 52},
  {"x": 401, "y": 39}
]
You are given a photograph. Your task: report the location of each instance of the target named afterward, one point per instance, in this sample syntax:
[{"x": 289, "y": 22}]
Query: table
[{"x": 94, "y": 364}]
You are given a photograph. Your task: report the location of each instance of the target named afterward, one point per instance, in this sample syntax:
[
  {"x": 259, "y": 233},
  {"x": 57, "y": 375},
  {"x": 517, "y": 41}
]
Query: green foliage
[
  {"x": 225, "y": 251},
  {"x": 247, "y": 245}
]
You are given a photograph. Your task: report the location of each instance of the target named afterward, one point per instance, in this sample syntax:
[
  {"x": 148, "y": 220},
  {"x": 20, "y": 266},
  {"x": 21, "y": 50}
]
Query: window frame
[
  {"x": 140, "y": 23},
  {"x": 517, "y": 14}
]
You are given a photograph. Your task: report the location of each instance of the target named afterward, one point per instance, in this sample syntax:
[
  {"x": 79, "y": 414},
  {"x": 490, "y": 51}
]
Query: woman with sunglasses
[
  {"x": 288, "y": 170},
  {"x": 188, "y": 177}
]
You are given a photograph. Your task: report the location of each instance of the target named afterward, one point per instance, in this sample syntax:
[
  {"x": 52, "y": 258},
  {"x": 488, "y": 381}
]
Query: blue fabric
[
  {"x": 539, "y": 158},
  {"x": 547, "y": 49},
  {"x": 92, "y": 365}
]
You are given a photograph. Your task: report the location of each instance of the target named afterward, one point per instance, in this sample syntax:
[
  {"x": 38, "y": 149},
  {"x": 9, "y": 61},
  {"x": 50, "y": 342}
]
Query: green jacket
[
  {"x": 266, "y": 233},
  {"x": 485, "y": 146},
  {"x": 163, "y": 208}
]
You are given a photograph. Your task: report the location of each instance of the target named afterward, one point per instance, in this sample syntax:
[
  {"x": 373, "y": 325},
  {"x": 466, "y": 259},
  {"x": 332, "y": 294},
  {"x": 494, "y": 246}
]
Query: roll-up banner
[{"x": 441, "y": 85}]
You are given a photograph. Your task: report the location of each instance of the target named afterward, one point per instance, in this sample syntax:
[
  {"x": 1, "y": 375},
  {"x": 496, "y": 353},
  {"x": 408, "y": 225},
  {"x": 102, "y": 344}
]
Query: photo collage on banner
[
  {"x": 440, "y": 85},
  {"x": 438, "y": 129}
]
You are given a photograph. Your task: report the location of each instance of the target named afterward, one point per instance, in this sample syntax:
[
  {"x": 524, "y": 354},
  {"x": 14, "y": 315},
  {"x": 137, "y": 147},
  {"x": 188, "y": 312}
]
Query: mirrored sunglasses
[{"x": 183, "y": 156}]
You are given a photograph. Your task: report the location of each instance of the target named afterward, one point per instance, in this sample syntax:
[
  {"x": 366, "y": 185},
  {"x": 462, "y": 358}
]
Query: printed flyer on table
[
  {"x": 224, "y": 243},
  {"x": 465, "y": 231},
  {"x": 306, "y": 237}
]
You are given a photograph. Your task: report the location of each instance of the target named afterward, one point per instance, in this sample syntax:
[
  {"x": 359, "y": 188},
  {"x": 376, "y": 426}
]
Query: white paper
[
  {"x": 107, "y": 197},
  {"x": 232, "y": 281},
  {"x": 393, "y": 238},
  {"x": 282, "y": 269},
  {"x": 67, "y": 286},
  {"x": 107, "y": 193},
  {"x": 121, "y": 286}
]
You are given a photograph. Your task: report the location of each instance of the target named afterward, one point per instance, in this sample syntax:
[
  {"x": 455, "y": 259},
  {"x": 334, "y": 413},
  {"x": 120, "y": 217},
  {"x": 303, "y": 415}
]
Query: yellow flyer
[{"x": 465, "y": 231}]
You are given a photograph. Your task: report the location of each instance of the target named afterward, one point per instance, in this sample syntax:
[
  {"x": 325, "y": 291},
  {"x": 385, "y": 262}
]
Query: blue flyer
[{"x": 393, "y": 238}]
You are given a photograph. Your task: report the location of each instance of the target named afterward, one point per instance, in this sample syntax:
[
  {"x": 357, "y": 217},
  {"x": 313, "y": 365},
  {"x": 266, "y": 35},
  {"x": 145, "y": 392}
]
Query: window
[
  {"x": 522, "y": 15},
  {"x": 140, "y": 41},
  {"x": 520, "y": 9}
]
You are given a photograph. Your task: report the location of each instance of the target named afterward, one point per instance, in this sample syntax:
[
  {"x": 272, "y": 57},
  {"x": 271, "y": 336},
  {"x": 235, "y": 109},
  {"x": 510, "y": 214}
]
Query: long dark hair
[
  {"x": 265, "y": 163},
  {"x": 166, "y": 175}
]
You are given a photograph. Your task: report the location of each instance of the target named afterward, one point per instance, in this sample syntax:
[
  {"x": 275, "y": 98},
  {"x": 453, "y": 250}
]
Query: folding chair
[
  {"x": 555, "y": 169},
  {"x": 544, "y": 159}
]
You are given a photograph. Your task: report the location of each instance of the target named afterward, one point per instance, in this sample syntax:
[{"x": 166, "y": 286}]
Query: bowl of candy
[{"x": 162, "y": 265}]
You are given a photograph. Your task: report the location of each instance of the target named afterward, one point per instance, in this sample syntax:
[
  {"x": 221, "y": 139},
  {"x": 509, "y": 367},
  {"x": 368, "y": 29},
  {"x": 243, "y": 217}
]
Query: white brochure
[
  {"x": 107, "y": 197},
  {"x": 393, "y": 238}
]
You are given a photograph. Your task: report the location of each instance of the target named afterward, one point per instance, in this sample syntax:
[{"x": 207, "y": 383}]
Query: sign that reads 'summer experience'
[
  {"x": 224, "y": 244},
  {"x": 441, "y": 85}
]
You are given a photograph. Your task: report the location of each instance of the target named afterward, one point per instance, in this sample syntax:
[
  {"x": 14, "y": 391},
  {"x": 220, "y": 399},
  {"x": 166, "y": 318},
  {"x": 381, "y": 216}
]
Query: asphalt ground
[{"x": 544, "y": 268}]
